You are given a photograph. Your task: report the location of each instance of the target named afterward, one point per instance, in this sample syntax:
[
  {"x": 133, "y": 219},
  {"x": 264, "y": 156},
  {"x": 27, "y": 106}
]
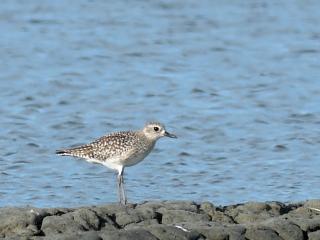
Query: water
[{"x": 237, "y": 81}]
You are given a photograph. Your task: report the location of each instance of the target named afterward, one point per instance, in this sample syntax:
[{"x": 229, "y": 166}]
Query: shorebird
[{"x": 120, "y": 149}]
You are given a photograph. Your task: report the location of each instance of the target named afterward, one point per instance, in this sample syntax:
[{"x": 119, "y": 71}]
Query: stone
[
  {"x": 130, "y": 216},
  {"x": 314, "y": 235},
  {"x": 77, "y": 221},
  {"x": 20, "y": 221},
  {"x": 253, "y": 212},
  {"x": 259, "y": 233},
  {"x": 286, "y": 229},
  {"x": 216, "y": 214},
  {"x": 178, "y": 216},
  {"x": 132, "y": 234},
  {"x": 163, "y": 232}
]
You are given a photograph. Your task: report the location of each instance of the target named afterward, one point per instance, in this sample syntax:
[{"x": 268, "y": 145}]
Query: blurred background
[{"x": 237, "y": 81}]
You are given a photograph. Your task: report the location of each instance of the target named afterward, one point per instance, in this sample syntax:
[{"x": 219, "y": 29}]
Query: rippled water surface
[{"x": 237, "y": 81}]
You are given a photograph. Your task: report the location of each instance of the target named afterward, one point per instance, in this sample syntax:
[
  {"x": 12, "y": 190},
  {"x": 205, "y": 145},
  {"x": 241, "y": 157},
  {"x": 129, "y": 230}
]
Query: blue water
[{"x": 237, "y": 81}]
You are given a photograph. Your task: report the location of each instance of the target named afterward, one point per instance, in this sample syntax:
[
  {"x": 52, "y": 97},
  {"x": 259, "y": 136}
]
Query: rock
[
  {"x": 165, "y": 220},
  {"x": 312, "y": 204},
  {"x": 141, "y": 224},
  {"x": 77, "y": 221},
  {"x": 259, "y": 233},
  {"x": 286, "y": 229},
  {"x": 253, "y": 212},
  {"x": 163, "y": 232},
  {"x": 314, "y": 235},
  {"x": 179, "y": 216},
  {"x": 20, "y": 221},
  {"x": 181, "y": 205},
  {"x": 90, "y": 235},
  {"x": 132, "y": 234},
  {"x": 308, "y": 225},
  {"x": 216, "y": 214},
  {"x": 217, "y": 231},
  {"x": 138, "y": 215}
]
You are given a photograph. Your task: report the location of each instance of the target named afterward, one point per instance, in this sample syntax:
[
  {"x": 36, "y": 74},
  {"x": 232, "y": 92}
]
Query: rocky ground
[{"x": 165, "y": 220}]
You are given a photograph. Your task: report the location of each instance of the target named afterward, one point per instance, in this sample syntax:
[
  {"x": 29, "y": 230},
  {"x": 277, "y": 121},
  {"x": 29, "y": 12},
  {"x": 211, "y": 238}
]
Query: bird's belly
[{"x": 135, "y": 158}]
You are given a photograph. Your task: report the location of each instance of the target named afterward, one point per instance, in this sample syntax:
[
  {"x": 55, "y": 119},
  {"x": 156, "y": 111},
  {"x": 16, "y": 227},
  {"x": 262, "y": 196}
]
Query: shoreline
[{"x": 165, "y": 220}]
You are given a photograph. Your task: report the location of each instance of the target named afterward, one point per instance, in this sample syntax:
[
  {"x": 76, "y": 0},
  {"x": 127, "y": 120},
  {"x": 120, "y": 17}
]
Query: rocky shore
[{"x": 166, "y": 220}]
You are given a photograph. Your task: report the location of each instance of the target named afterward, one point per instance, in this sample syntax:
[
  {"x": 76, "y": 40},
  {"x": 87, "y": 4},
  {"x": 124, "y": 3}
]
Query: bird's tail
[
  {"x": 64, "y": 152},
  {"x": 84, "y": 151}
]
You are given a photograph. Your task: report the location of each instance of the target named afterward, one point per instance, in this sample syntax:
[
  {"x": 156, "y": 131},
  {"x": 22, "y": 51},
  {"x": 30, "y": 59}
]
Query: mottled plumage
[{"x": 119, "y": 150}]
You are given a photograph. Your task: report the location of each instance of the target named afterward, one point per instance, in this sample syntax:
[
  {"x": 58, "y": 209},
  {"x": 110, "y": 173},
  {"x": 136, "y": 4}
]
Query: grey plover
[{"x": 119, "y": 150}]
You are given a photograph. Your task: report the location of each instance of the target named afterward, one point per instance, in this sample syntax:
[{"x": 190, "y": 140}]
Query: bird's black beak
[{"x": 170, "y": 135}]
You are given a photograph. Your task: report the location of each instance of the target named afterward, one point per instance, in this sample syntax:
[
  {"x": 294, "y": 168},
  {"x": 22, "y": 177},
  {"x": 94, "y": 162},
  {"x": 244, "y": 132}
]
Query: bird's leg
[
  {"x": 119, "y": 188},
  {"x": 122, "y": 187}
]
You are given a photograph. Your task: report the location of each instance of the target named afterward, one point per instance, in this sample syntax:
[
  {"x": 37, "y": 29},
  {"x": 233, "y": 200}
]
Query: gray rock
[
  {"x": 163, "y": 232},
  {"x": 77, "y": 221},
  {"x": 314, "y": 235},
  {"x": 253, "y": 212},
  {"x": 138, "y": 215},
  {"x": 312, "y": 204},
  {"x": 216, "y": 231},
  {"x": 132, "y": 234},
  {"x": 144, "y": 223},
  {"x": 308, "y": 225},
  {"x": 216, "y": 214},
  {"x": 90, "y": 235},
  {"x": 179, "y": 216},
  {"x": 286, "y": 229},
  {"x": 181, "y": 205},
  {"x": 20, "y": 221},
  {"x": 259, "y": 233}
]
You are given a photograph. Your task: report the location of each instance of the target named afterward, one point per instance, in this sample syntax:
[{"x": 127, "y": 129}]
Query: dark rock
[
  {"x": 163, "y": 232},
  {"x": 286, "y": 229},
  {"x": 307, "y": 225},
  {"x": 138, "y": 215},
  {"x": 179, "y": 216},
  {"x": 253, "y": 212},
  {"x": 20, "y": 221},
  {"x": 77, "y": 221},
  {"x": 132, "y": 234},
  {"x": 259, "y": 233},
  {"x": 90, "y": 235},
  {"x": 216, "y": 214},
  {"x": 165, "y": 220},
  {"x": 181, "y": 205},
  {"x": 216, "y": 231}
]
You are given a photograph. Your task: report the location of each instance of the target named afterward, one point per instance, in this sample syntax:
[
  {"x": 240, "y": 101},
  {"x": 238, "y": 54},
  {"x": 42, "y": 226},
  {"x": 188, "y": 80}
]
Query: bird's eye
[{"x": 156, "y": 129}]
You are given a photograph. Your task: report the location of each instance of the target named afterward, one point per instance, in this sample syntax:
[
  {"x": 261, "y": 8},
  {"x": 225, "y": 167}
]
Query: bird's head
[{"x": 155, "y": 130}]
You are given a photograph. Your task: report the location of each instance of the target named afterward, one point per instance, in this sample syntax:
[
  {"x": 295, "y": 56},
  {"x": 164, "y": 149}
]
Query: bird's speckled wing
[
  {"x": 105, "y": 147},
  {"x": 115, "y": 144}
]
